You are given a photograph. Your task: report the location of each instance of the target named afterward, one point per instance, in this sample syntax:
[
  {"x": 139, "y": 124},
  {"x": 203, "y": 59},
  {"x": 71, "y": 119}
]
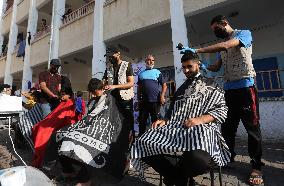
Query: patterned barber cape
[
  {"x": 28, "y": 120},
  {"x": 195, "y": 97}
]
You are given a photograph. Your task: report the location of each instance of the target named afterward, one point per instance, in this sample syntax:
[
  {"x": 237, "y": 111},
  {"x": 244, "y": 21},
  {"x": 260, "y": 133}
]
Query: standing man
[
  {"x": 240, "y": 92},
  {"x": 50, "y": 85},
  {"x": 122, "y": 86},
  {"x": 151, "y": 93}
]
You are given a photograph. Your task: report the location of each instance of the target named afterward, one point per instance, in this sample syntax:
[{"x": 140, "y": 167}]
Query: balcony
[
  {"x": 191, "y": 6},
  {"x": 71, "y": 32},
  {"x": 79, "y": 13},
  {"x": 2, "y": 66},
  {"x": 23, "y": 10},
  {"x": 40, "y": 50},
  {"x": 17, "y": 63},
  {"x": 6, "y": 21},
  {"x": 41, "y": 34},
  {"x": 128, "y": 16},
  {"x": 9, "y": 7}
]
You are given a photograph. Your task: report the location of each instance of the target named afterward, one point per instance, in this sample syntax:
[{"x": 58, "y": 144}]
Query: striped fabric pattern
[
  {"x": 194, "y": 98},
  {"x": 28, "y": 120}
]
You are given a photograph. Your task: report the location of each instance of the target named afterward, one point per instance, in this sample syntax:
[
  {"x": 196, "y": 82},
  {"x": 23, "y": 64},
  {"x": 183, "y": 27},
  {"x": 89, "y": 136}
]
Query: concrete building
[{"x": 138, "y": 27}]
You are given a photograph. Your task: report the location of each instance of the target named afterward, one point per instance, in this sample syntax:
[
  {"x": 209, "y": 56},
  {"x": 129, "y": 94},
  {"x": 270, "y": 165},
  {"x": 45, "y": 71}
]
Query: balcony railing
[
  {"x": 41, "y": 34},
  {"x": 9, "y": 8},
  {"x": 108, "y": 2},
  {"x": 269, "y": 84},
  {"x": 269, "y": 81},
  {"x": 80, "y": 12},
  {"x": 3, "y": 56}
]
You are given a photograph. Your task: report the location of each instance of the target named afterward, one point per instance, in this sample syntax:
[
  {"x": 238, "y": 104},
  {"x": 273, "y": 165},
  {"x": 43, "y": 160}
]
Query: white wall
[
  {"x": 271, "y": 120},
  {"x": 79, "y": 75},
  {"x": 268, "y": 41}
]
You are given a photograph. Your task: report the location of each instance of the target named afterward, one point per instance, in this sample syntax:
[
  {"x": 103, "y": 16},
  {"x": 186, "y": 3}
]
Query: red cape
[{"x": 60, "y": 117}]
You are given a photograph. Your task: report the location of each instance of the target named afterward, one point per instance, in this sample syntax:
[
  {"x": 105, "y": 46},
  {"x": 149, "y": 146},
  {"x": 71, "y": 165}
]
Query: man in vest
[
  {"x": 122, "y": 86},
  {"x": 240, "y": 92}
]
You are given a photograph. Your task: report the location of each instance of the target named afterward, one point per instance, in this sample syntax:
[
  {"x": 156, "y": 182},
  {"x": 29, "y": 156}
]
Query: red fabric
[
  {"x": 60, "y": 117},
  {"x": 253, "y": 106}
]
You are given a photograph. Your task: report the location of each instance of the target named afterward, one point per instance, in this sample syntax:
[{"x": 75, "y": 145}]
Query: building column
[
  {"x": 2, "y": 10},
  {"x": 58, "y": 10},
  {"x": 99, "y": 46},
  {"x": 32, "y": 26},
  {"x": 8, "y": 79},
  {"x": 179, "y": 35}
]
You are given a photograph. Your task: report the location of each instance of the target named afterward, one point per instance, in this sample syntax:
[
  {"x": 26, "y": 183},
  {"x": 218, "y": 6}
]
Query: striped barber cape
[
  {"x": 28, "y": 120},
  {"x": 195, "y": 97}
]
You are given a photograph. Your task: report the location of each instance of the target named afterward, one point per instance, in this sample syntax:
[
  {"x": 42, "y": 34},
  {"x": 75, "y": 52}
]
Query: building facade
[{"x": 78, "y": 32}]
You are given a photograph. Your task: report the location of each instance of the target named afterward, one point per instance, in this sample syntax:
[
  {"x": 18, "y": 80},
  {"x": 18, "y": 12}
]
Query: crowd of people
[{"x": 199, "y": 127}]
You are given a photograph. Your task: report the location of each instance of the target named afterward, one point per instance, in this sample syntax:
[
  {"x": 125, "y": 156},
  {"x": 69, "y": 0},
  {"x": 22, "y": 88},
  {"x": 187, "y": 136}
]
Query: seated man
[{"x": 190, "y": 127}]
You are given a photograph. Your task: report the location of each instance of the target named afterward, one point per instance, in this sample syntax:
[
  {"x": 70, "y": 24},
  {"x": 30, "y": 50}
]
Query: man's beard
[
  {"x": 149, "y": 66},
  {"x": 191, "y": 75}
]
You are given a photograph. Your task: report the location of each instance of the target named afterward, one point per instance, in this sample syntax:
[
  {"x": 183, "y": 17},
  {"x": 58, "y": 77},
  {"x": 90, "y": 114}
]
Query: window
[{"x": 268, "y": 77}]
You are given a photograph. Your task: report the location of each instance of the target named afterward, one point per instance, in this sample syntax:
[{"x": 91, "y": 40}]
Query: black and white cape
[{"x": 195, "y": 97}]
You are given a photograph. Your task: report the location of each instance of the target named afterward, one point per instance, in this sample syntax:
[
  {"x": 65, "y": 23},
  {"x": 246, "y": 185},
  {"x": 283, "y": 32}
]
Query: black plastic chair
[{"x": 211, "y": 172}]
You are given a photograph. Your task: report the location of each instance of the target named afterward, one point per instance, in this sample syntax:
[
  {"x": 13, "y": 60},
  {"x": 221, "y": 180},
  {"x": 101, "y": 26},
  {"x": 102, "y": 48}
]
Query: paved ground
[{"x": 273, "y": 156}]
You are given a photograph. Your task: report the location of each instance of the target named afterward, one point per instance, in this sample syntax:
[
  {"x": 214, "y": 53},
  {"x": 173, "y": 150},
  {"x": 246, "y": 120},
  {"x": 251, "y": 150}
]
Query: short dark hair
[
  {"x": 79, "y": 94},
  {"x": 68, "y": 91},
  {"x": 218, "y": 19},
  {"x": 189, "y": 56},
  {"x": 95, "y": 84}
]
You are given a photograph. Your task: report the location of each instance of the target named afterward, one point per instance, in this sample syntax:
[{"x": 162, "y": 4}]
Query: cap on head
[{"x": 55, "y": 62}]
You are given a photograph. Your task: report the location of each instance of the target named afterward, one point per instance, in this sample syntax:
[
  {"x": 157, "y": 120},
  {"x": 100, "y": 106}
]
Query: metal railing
[
  {"x": 108, "y": 2},
  {"x": 269, "y": 81},
  {"x": 4, "y": 54},
  {"x": 80, "y": 12},
  {"x": 171, "y": 88},
  {"x": 265, "y": 81},
  {"x": 41, "y": 34},
  {"x": 9, "y": 9}
]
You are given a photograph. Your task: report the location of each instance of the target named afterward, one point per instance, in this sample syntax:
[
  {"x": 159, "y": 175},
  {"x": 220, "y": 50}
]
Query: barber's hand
[
  {"x": 110, "y": 87},
  {"x": 55, "y": 97},
  {"x": 158, "y": 123},
  {"x": 192, "y": 122},
  {"x": 183, "y": 51}
]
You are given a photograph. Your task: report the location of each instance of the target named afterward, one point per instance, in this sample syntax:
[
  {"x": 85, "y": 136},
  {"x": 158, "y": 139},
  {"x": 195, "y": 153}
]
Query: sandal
[{"x": 254, "y": 177}]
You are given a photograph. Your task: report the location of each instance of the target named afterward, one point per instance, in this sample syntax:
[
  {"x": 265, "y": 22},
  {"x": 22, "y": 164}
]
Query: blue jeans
[{"x": 46, "y": 109}]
